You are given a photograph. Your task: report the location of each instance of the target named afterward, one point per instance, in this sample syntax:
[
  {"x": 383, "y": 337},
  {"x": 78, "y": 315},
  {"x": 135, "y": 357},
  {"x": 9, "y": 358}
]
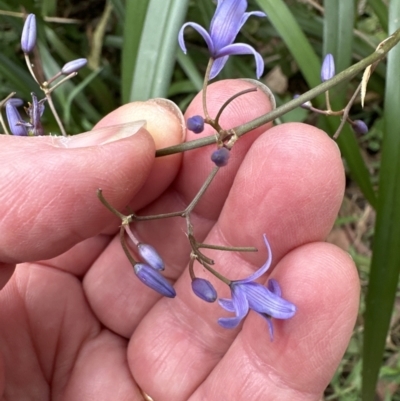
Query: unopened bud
[
  {"x": 28, "y": 37},
  {"x": 195, "y": 124},
  {"x": 359, "y": 127},
  {"x": 73, "y": 66},
  {"x": 153, "y": 279},
  {"x": 328, "y": 68},
  {"x": 204, "y": 290},
  {"x": 220, "y": 156},
  {"x": 151, "y": 256}
]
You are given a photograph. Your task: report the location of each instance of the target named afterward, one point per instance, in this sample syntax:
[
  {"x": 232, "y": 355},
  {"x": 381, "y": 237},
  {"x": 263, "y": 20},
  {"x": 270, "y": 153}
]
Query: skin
[{"x": 75, "y": 322}]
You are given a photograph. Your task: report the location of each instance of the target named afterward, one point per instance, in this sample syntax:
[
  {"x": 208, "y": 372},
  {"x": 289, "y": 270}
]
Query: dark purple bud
[
  {"x": 15, "y": 121},
  {"x": 28, "y": 37},
  {"x": 15, "y": 101},
  {"x": 151, "y": 256},
  {"x": 359, "y": 127},
  {"x": 73, "y": 66},
  {"x": 305, "y": 105},
  {"x": 204, "y": 290},
  {"x": 328, "y": 68},
  {"x": 153, "y": 279},
  {"x": 220, "y": 156},
  {"x": 195, "y": 124}
]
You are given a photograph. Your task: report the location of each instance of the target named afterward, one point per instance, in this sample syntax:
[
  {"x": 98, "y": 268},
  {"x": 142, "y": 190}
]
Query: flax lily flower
[{"x": 228, "y": 19}]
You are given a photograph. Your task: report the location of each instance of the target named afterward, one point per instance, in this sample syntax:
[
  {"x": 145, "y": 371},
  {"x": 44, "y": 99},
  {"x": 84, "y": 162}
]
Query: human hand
[{"x": 79, "y": 325}]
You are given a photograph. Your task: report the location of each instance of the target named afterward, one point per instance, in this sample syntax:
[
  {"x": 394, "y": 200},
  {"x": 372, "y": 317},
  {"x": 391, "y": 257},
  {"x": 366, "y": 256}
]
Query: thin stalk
[
  {"x": 55, "y": 114},
  {"x": 228, "y": 248},
  {"x": 343, "y": 76},
  {"x": 203, "y": 189},
  {"x": 346, "y": 112},
  {"x": 205, "y": 85}
]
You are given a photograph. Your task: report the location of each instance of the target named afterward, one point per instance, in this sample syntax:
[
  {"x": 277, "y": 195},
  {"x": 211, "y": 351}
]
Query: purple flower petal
[
  {"x": 217, "y": 66},
  {"x": 252, "y": 13},
  {"x": 14, "y": 120},
  {"x": 227, "y": 304},
  {"x": 263, "y": 268},
  {"x": 226, "y": 22},
  {"x": 270, "y": 326},
  {"x": 262, "y": 300},
  {"x": 242, "y": 48},
  {"x": 274, "y": 287},
  {"x": 201, "y": 31},
  {"x": 229, "y": 322}
]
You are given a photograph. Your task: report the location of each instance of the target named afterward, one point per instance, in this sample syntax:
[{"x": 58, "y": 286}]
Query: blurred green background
[{"x": 132, "y": 52}]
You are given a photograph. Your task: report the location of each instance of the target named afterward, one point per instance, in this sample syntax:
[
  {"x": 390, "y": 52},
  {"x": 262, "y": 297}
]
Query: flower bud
[
  {"x": 73, "y": 66},
  {"x": 328, "y": 68},
  {"x": 14, "y": 119},
  {"x": 359, "y": 127},
  {"x": 195, "y": 124},
  {"x": 151, "y": 256},
  {"x": 28, "y": 37},
  {"x": 153, "y": 279},
  {"x": 220, "y": 156},
  {"x": 204, "y": 290}
]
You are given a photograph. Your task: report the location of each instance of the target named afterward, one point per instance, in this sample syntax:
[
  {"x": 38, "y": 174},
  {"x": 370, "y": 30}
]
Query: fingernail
[
  {"x": 171, "y": 107},
  {"x": 263, "y": 88},
  {"x": 100, "y": 136}
]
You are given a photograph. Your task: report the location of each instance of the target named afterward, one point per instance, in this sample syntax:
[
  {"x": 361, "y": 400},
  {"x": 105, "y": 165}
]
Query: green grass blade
[
  {"x": 385, "y": 264},
  {"x": 286, "y": 25},
  {"x": 135, "y": 16},
  {"x": 157, "y": 50},
  {"x": 191, "y": 70},
  {"x": 381, "y": 11}
]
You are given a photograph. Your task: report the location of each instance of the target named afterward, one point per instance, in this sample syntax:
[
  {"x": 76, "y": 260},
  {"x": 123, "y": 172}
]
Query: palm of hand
[{"x": 81, "y": 326}]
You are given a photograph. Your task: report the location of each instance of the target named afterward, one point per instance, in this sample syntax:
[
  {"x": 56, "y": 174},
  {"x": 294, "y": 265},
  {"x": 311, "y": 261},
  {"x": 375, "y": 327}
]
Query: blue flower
[
  {"x": 246, "y": 295},
  {"x": 228, "y": 19}
]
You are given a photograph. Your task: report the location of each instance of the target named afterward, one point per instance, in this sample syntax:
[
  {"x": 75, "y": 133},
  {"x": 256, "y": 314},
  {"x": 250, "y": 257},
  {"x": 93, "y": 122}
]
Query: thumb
[{"x": 48, "y": 187}]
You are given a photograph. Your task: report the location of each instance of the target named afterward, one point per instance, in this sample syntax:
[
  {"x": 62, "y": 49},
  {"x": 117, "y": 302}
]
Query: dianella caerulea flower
[
  {"x": 226, "y": 23},
  {"x": 246, "y": 295},
  {"x": 35, "y": 111}
]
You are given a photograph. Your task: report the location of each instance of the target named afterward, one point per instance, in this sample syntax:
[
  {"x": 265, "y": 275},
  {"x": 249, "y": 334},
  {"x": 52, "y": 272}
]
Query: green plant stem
[{"x": 343, "y": 76}]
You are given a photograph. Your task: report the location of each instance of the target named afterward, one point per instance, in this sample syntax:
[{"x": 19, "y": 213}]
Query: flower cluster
[
  {"x": 35, "y": 110},
  {"x": 328, "y": 70},
  {"x": 148, "y": 265}
]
